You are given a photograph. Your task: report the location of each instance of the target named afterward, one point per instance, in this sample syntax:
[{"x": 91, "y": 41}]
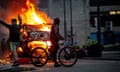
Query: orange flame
[
  {"x": 30, "y": 15},
  {"x": 34, "y": 18}
]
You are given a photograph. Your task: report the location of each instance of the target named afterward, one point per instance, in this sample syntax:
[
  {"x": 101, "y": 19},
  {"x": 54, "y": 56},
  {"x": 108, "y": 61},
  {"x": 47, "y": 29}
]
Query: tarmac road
[{"x": 82, "y": 65}]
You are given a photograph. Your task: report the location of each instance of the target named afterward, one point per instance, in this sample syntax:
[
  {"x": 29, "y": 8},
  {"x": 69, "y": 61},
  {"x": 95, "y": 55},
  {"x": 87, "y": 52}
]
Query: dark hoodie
[{"x": 14, "y": 31}]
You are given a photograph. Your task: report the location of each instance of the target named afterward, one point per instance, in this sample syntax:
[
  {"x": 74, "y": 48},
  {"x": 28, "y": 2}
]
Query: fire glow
[
  {"x": 34, "y": 18},
  {"x": 30, "y": 15}
]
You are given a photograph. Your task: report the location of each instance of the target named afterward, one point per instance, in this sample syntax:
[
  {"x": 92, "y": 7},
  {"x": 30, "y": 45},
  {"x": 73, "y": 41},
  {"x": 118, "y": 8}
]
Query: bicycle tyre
[
  {"x": 40, "y": 59},
  {"x": 72, "y": 55}
]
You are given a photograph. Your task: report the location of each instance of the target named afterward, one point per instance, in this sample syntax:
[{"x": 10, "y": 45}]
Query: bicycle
[
  {"x": 39, "y": 56},
  {"x": 66, "y": 56}
]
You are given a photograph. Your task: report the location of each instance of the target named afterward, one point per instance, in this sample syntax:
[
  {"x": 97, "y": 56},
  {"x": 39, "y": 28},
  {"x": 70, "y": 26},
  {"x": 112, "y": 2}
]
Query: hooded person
[
  {"x": 54, "y": 38},
  {"x": 14, "y": 33}
]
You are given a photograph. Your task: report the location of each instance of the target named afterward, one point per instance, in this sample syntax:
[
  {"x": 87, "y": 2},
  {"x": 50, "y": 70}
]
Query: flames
[
  {"x": 32, "y": 16},
  {"x": 29, "y": 14}
]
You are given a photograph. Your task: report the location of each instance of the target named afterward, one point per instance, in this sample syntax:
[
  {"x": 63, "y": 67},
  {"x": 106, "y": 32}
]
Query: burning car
[
  {"x": 31, "y": 37},
  {"x": 35, "y": 31},
  {"x": 36, "y": 24}
]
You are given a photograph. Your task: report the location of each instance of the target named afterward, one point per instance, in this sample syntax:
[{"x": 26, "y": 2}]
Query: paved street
[
  {"x": 109, "y": 62},
  {"x": 85, "y": 66},
  {"x": 82, "y": 65}
]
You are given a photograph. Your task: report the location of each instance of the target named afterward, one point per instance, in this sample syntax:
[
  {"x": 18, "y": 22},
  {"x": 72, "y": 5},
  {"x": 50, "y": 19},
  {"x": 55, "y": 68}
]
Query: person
[
  {"x": 14, "y": 31},
  {"x": 55, "y": 37}
]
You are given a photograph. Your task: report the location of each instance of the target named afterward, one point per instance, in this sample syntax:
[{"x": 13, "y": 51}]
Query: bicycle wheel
[
  {"x": 39, "y": 57},
  {"x": 67, "y": 56}
]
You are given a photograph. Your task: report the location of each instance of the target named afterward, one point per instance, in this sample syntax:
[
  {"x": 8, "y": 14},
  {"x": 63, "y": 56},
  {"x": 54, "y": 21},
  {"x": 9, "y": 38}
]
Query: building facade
[
  {"x": 109, "y": 20},
  {"x": 109, "y": 12},
  {"x": 79, "y": 17},
  {"x": 74, "y": 17}
]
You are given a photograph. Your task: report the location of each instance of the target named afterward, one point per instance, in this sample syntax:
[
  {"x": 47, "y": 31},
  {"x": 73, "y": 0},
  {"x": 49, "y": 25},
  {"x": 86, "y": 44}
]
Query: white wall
[{"x": 80, "y": 17}]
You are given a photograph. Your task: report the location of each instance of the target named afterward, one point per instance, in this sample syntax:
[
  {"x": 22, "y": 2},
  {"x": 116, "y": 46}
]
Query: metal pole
[
  {"x": 65, "y": 27},
  {"x": 50, "y": 8},
  {"x": 71, "y": 20},
  {"x": 99, "y": 23}
]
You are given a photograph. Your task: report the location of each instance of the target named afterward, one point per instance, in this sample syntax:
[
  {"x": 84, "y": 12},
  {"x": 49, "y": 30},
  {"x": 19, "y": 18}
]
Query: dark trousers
[{"x": 54, "y": 49}]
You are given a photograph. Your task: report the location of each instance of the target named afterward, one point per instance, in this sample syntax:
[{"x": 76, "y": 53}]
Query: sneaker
[
  {"x": 57, "y": 65},
  {"x": 15, "y": 64}
]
